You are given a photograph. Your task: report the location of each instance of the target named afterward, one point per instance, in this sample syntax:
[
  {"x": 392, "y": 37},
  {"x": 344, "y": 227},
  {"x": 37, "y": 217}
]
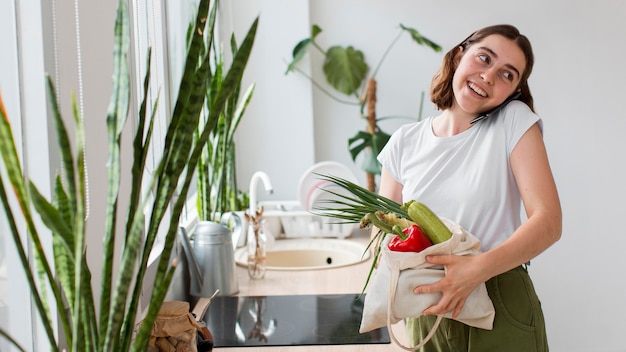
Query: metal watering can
[{"x": 211, "y": 257}]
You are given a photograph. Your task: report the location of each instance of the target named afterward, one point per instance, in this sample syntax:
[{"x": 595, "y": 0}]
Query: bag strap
[{"x": 393, "y": 284}]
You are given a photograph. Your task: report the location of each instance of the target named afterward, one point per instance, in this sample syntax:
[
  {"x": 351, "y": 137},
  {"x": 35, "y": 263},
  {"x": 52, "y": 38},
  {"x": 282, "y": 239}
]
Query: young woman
[{"x": 478, "y": 174}]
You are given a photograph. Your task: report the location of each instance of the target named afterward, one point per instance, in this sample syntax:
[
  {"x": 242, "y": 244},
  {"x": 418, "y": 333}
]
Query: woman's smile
[{"x": 476, "y": 89}]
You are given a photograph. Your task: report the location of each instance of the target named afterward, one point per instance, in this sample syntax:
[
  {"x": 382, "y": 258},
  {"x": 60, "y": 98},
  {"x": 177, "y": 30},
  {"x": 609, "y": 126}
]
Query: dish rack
[{"x": 287, "y": 219}]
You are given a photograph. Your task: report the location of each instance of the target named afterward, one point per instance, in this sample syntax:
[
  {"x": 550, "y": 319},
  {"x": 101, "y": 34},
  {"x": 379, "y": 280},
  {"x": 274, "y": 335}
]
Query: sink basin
[{"x": 309, "y": 254}]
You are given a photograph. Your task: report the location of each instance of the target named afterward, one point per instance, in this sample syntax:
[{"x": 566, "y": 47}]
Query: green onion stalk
[{"x": 366, "y": 208}]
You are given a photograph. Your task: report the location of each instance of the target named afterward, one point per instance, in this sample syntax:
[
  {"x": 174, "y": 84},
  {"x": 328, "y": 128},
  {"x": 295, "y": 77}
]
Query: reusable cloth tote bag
[{"x": 390, "y": 296}]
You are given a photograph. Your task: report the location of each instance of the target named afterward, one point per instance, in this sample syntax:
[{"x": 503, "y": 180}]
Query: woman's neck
[{"x": 450, "y": 123}]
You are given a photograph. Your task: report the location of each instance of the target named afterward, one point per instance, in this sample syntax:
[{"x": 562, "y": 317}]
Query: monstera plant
[
  {"x": 346, "y": 71},
  {"x": 66, "y": 276}
]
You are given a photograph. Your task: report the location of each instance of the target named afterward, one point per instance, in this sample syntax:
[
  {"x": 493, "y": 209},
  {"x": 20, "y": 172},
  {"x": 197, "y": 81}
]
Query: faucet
[{"x": 254, "y": 181}]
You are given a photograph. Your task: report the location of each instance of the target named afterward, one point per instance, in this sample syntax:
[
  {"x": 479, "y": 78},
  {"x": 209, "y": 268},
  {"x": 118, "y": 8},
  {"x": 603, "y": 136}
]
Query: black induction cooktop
[{"x": 292, "y": 320}]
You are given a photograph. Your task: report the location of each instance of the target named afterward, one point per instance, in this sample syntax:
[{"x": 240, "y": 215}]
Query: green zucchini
[{"x": 433, "y": 227}]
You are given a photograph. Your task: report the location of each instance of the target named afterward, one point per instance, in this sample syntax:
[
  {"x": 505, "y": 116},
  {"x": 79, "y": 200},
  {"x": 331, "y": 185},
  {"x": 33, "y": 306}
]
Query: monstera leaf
[
  {"x": 373, "y": 143},
  {"x": 345, "y": 69}
]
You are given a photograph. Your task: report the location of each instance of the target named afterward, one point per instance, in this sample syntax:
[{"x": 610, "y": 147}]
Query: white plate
[{"x": 310, "y": 187}]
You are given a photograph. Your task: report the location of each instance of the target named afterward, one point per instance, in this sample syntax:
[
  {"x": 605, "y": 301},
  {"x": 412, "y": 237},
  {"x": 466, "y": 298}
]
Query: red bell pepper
[{"x": 415, "y": 240}]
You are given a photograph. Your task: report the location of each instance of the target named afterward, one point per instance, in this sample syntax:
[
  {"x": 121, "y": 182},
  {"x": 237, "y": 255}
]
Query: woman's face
[{"x": 488, "y": 72}]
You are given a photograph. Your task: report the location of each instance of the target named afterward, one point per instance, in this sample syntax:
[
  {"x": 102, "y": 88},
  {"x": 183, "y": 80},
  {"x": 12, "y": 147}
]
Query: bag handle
[{"x": 393, "y": 284}]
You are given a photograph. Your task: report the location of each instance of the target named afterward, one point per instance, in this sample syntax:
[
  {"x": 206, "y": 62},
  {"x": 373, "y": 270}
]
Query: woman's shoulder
[
  {"x": 514, "y": 120},
  {"x": 518, "y": 107},
  {"x": 412, "y": 127},
  {"x": 517, "y": 112}
]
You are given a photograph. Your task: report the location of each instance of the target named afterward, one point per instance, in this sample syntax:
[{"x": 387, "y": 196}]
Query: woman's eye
[
  {"x": 508, "y": 75},
  {"x": 484, "y": 58}
]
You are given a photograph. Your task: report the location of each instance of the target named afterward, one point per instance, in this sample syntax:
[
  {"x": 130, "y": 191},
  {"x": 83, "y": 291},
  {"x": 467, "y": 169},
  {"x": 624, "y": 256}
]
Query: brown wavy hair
[{"x": 441, "y": 92}]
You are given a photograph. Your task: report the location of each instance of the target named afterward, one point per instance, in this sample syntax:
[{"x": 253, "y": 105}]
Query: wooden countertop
[{"x": 348, "y": 279}]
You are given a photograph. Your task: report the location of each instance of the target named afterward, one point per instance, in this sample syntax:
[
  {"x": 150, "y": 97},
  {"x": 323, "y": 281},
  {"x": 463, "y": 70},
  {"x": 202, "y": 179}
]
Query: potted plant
[
  {"x": 112, "y": 328},
  {"x": 345, "y": 70},
  {"x": 218, "y": 192},
  {"x": 220, "y": 203}
]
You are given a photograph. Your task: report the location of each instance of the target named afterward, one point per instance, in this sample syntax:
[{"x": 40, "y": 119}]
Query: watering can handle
[
  {"x": 194, "y": 267},
  {"x": 236, "y": 226}
]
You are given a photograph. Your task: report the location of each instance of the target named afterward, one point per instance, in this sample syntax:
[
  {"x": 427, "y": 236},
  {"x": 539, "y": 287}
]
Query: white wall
[
  {"x": 276, "y": 134},
  {"x": 578, "y": 88}
]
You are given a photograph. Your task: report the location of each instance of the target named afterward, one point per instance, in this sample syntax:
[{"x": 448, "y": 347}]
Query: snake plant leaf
[
  {"x": 13, "y": 170},
  {"x": 63, "y": 247},
  {"x": 64, "y": 148},
  {"x": 195, "y": 47},
  {"x": 119, "y": 101},
  {"x": 116, "y": 114},
  {"x": 11, "y": 340},
  {"x": 42, "y": 308},
  {"x": 158, "y": 295},
  {"x": 421, "y": 40},
  {"x": 141, "y": 143},
  {"x": 345, "y": 69},
  {"x": 51, "y": 217},
  {"x": 82, "y": 289},
  {"x": 241, "y": 109},
  {"x": 61, "y": 203},
  {"x": 11, "y": 160}
]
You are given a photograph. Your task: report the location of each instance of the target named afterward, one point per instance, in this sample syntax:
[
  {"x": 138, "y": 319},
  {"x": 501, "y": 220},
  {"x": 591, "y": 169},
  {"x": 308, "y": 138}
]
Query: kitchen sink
[{"x": 310, "y": 254}]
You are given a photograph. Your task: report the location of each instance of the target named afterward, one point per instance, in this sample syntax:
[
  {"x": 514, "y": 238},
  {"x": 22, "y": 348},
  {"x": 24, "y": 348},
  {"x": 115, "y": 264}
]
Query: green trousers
[{"x": 518, "y": 325}]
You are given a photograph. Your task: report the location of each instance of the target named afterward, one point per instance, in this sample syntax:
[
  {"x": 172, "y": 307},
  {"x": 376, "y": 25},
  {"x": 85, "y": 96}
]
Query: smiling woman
[
  {"x": 571, "y": 60},
  {"x": 450, "y": 163}
]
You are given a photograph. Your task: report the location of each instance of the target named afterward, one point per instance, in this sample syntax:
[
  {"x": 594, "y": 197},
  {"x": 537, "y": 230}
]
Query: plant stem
[
  {"x": 382, "y": 59},
  {"x": 326, "y": 92}
]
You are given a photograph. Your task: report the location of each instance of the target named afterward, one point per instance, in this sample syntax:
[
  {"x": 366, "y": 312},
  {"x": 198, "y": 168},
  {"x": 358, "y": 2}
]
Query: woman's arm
[
  {"x": 389, "y": 187},
  {"x": 529, "y": 162}
]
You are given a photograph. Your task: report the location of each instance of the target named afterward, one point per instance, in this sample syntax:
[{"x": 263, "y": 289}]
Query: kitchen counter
[{"x": 343, "y": 280}]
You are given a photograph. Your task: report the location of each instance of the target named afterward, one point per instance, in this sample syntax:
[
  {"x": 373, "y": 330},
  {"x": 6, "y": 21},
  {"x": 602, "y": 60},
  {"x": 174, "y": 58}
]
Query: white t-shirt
[{"x": 467, "y": 177}]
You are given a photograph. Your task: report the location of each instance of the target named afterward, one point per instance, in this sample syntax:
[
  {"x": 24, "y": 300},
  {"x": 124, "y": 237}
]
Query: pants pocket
[
  {"x": 519, "y": 323},
  {"x": 515, "y": 299}
]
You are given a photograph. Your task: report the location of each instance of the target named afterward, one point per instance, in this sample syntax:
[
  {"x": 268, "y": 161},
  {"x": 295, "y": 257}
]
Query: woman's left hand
[{"x": 463, "y": 275}]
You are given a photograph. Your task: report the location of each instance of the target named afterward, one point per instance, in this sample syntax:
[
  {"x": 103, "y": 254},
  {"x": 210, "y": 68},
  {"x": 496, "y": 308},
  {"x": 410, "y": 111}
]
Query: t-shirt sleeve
[
  {"x": 518, "y": 120},
  {"x": 389, "y": 156}
]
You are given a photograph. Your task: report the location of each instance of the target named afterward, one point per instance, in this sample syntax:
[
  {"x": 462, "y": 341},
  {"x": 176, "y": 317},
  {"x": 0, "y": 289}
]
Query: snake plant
[
  {"x": 113, "y": 328},
  {"x": 218, "y": 192}
]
